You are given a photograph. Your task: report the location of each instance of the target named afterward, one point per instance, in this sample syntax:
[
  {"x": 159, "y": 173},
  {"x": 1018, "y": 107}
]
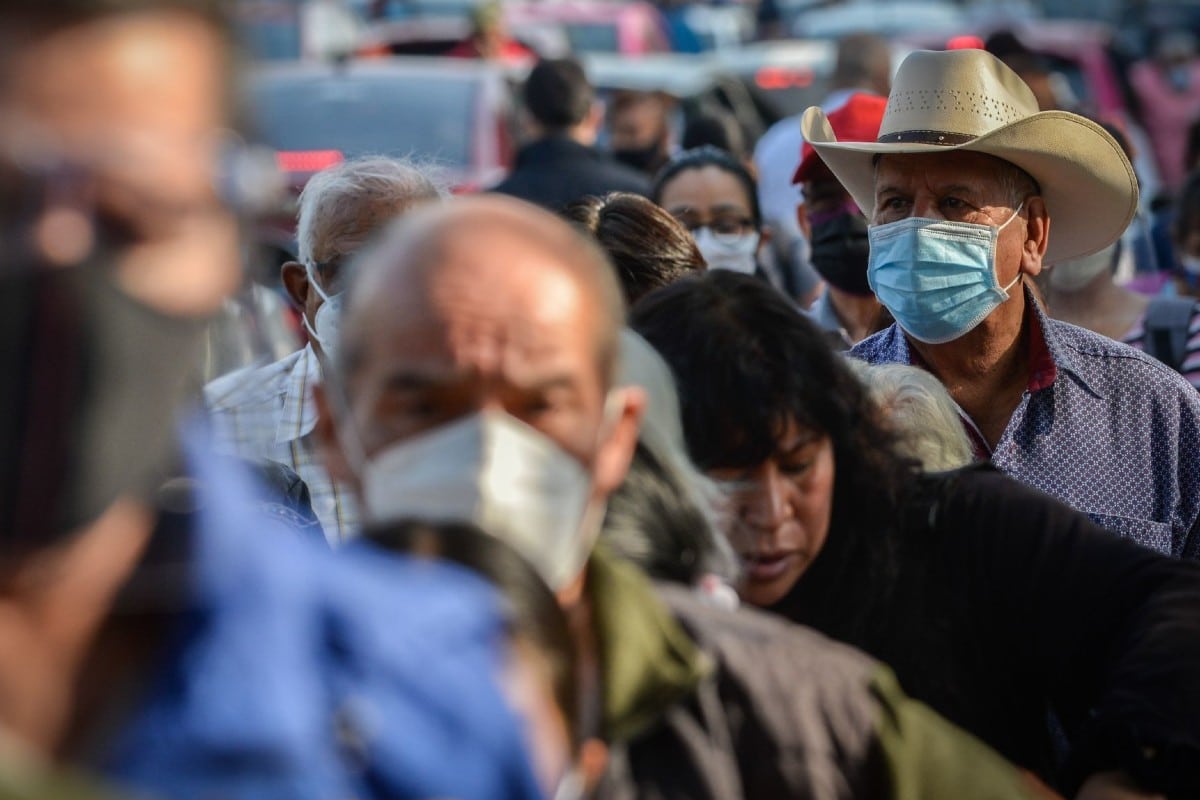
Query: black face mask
[
  {"x": 92, "y": 383},
  {"x": 840, "y": 249},
  {"x": 644, "y": 159}
]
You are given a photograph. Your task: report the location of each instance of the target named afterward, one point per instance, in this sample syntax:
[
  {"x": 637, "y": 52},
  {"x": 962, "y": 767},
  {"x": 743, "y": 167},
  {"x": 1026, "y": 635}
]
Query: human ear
[
  {"x": 616, "y": 451},
  {"x": 1037, "y": 235},
  {"x": 295, "y": 283},
  {"x": 802, "y": 221}
]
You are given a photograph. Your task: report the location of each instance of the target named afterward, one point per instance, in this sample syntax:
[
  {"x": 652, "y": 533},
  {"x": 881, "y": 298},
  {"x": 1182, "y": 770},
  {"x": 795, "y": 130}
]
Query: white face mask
[
  {"x": 736, "y": 254},
  {"x": 1190, "y": 264},
  {"x": 327, "y": 325},
  {"x": 494, "y": 470}
]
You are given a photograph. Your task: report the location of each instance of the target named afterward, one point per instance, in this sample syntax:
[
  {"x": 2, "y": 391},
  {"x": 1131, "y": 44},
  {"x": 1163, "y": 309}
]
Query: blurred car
[
  {"x": 432, "y": 35},
  {"x": 594, "y": 26},
  {"x": 697, "y": 82},
  {"x": 456, "y": 115},
  {"x": 787, "y": 76}
]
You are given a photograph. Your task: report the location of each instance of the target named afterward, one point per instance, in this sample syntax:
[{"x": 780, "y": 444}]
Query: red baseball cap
[{"x": 857, "y": 120}]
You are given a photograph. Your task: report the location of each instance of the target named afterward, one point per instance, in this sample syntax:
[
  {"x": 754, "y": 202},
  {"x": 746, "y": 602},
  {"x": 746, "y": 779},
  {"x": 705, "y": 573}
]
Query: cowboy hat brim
[{"x": 1089, "y": 188}]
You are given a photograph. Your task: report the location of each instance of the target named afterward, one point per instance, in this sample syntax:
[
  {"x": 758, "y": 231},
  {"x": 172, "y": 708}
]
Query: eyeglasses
[{"x": 726, "y": 229}]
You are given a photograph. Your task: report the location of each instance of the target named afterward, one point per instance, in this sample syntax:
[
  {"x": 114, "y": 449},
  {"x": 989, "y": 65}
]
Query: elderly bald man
[
  {"x": 971, "y": 191},
  {"x": 268, "y": 412},
  {"x": 476, "y": 382}
]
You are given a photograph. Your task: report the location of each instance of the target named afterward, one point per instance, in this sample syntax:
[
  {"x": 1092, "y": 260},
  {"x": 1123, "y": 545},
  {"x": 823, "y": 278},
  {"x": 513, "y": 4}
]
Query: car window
[{"x": 428, "y": 116}]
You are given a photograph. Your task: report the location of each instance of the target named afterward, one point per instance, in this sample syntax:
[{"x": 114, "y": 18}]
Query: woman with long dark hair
[{"x": 994, "y": 603}]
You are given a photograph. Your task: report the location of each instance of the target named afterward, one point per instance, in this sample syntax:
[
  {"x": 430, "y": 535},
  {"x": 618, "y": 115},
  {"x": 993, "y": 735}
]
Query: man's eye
[{"x": 954, "y": 203}]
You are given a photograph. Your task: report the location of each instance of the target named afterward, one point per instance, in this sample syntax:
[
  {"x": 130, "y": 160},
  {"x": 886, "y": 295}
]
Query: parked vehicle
[
  {"x": 454, "y": 114},
  {"x": 599, "y": 26}
]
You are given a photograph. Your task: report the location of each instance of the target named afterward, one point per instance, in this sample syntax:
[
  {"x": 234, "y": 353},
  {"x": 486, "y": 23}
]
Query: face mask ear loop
[
  {"x": 313, "y": 284},
  {"x": 1016, "y": 214}
]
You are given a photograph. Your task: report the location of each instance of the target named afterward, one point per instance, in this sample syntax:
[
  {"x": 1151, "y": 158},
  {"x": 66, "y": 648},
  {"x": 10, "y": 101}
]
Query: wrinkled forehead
[
  {"x": 979, "y": 171},
  {"x": 489, "y": 305}
]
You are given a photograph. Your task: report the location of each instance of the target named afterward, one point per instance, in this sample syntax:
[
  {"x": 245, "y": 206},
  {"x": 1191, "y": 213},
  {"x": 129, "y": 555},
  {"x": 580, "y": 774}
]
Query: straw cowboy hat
[{"x": 969, "y": 100}]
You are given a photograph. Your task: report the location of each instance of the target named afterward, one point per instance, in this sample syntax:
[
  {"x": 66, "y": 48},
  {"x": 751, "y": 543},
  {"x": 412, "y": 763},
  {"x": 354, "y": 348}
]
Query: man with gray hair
[{"x": 268, "y": 412}]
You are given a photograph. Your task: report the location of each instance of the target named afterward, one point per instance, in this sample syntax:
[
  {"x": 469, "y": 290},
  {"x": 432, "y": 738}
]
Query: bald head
[{"x": 491, "y": 251}]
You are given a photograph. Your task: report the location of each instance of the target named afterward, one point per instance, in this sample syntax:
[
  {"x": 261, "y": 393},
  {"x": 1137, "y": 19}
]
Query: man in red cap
[{"x": 837, "y": 229}]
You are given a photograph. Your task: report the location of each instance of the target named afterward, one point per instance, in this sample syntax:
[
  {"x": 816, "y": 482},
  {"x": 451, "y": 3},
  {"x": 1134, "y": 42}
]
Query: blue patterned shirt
[{"x": 1110, "y": 431}]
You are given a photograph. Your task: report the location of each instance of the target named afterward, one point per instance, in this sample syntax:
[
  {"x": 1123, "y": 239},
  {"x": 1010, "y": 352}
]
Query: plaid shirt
[
  {"x": 1104, "y": 428},
  {"x": 268, "y": 413}
]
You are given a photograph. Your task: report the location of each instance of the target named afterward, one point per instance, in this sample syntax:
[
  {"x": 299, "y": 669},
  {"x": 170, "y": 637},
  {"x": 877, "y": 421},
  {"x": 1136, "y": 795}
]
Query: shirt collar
[
  {"x": 298, "y": 416},
  {"x": 1047, "y": 354}
]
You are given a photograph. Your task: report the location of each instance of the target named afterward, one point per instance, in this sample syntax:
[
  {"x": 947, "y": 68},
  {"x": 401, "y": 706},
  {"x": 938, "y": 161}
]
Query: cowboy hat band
[{"x": 969, "y": 100}]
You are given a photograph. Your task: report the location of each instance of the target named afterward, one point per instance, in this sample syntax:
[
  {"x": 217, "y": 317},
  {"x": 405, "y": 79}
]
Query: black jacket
[
  {"x": 555, "y": 171},
  {"x": 997, "y": 604}
]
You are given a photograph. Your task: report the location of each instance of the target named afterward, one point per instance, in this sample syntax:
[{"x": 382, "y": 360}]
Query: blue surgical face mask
[{"x": 937, "y": 277}]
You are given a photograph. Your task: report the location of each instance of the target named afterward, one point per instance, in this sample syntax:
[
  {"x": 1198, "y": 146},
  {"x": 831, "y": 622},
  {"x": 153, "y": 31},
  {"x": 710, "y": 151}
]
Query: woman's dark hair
[
  {"x": 709, "y": 156},
  {"x": 533, "y": 611},
  {"x": 747, "y": 364},
  {"x": 647, "y": 246}
]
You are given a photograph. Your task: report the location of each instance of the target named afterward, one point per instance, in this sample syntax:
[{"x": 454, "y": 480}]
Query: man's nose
[{"x": 926, "y": 207}]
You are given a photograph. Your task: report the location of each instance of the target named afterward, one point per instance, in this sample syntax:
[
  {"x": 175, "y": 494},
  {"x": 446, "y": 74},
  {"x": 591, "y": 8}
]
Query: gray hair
[
  {"x": 667, "y": 517},
  {"x": 919, "y": 409},
  {"x": 355, "y": 198}
]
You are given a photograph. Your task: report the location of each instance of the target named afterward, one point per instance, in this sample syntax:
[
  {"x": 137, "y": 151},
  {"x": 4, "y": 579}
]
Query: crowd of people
[{"x": 576, "y": 487}]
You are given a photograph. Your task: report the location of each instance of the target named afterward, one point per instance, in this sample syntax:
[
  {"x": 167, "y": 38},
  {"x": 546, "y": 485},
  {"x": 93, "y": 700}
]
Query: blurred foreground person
[
  {"x": 543, "y": 676},
  {"x": 647, "y": 247},
  {"x": 561, "y": 164},
  {"x": 962, "y": 201},
  {"x": 836, "y": 229},
  {"x": 993, "y": 602},
  {"x": 268, "y": 412},
  {"x": 477, "y": 384},
  {"x": 664, "y": 516},
  {"x": 156, "y": 628}
]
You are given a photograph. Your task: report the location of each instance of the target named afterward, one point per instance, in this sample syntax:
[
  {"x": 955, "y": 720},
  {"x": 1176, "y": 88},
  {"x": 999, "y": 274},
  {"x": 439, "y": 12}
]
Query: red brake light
[
  {"x": 307, "y": 160},
  {"x": 776, "y": 78},
  {"x": 965, "y": 43}
]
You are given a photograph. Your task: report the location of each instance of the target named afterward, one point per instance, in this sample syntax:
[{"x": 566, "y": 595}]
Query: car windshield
[{"x": 427, "y": 115}]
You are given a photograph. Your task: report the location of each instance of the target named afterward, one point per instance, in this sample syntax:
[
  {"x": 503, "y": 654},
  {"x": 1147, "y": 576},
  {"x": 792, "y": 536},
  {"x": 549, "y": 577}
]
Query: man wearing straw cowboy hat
[{"x": 969, "y": 190}]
